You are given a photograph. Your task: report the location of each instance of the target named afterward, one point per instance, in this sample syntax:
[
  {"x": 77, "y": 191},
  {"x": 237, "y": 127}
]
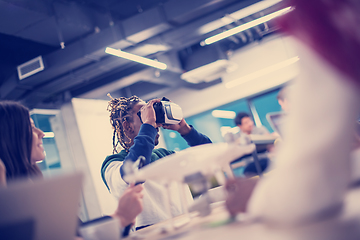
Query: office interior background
[{"x": 53, "y": 60}]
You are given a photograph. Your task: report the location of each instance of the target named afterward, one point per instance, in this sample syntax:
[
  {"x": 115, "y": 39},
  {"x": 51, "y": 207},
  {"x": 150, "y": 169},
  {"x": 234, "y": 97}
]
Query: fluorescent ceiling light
[
  {"x": 209, "y": 72},
  {"x": 223, "y": 114},
  {"x": 245, "y": 26},
  {"x": 228, "y": 129},
  {"x": 261, "y": 72},
  {"x": 147, "y": 49},
  {"x": 242, "y": 13},
  {"x": 254, "y": 8},
  {"x": 49, "y": 135},
  {"x": 136, "y": 58}
]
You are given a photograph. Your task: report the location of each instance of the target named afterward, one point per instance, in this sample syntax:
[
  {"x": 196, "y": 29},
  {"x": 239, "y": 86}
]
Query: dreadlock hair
[
  {"x": 120, "y": 111},
  {"x": 239, "y": 117}
]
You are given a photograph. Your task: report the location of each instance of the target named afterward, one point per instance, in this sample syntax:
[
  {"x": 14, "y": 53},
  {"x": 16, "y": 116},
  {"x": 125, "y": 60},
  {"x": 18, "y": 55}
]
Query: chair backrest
[{"x": 275, "y": 120}]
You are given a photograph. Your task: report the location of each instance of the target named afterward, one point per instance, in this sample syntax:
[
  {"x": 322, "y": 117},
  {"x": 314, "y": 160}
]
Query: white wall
[
  {"x": 96, "y": 136},
  {"x": 250, "y": 59}
]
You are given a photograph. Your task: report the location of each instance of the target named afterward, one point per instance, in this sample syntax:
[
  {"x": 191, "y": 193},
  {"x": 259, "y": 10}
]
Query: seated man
[
  {"x": 246, "y": 125},
  {"x": 138, "y": 137}
]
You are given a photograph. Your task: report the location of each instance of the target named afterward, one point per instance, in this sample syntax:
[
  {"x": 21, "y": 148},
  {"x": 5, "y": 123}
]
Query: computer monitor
[
  {"x": 40, "y": 209},
  {"x": 275, "y": 120}
]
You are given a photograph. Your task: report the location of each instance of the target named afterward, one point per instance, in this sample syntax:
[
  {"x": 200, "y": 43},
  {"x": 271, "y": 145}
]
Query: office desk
[
  {"x": 213, "y": 226},
  {"x": 187, "y": 224}
]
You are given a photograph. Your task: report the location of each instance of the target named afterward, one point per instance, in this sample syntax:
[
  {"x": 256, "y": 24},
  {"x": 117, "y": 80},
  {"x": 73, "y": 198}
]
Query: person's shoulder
[
  {"x": 117, "y": 156},
  {"x": 261, "y": 130},
  {"x": 114, "y": 157},
  {"x": 163, "y": 151}
]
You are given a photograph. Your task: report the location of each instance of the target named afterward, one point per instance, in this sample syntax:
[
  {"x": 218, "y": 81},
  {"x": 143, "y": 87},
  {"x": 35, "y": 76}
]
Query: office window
[
  {"x": 212, "y": 126},
  {"x": 207, "y": 124},
  {"x": 52, "y": 159},
  {"x": 264, "y": 104}
]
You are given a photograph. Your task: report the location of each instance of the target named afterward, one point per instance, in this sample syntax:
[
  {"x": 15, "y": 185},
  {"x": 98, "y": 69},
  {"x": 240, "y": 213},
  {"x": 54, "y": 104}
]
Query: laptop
[
  {"x": 40, "y": 209},
  {"x": 275, "y": 120}
]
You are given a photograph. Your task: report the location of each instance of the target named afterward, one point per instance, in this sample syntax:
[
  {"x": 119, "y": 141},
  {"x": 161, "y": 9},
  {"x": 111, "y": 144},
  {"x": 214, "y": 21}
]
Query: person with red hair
[{"x": 311, "y": 173}]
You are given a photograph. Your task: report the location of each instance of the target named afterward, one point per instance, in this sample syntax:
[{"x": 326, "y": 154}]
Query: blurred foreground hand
[
  {"x": 239, "y": 191},
  {"x": 130, "y": 205}
]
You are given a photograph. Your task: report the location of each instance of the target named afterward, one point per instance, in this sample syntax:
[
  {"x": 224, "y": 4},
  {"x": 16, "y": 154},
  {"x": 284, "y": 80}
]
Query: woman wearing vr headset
[{"x": 138, "y": 135}]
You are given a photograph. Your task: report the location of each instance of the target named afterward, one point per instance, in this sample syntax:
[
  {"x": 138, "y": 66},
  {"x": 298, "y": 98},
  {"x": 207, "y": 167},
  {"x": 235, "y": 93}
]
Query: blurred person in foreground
[
  {"x": 311, "y": 174},
  {"x": 21, "y": 147}
]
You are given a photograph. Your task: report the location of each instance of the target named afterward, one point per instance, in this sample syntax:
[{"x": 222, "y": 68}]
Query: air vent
[{"x": 30, "y": 68}]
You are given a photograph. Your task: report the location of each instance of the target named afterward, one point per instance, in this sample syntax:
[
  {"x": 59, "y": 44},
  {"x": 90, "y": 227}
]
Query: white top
[
  {"x": 155, "y": 196},
  {"x": 312, "y": 168},
  {"x": 256, "y": 131},
  {"x": 244, "y": 138}
]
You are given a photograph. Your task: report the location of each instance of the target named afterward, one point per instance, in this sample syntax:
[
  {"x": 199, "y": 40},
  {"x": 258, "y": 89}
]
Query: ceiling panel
[
  {"x": 167, "y": 30},
  {"x": 13, "y": 18}
]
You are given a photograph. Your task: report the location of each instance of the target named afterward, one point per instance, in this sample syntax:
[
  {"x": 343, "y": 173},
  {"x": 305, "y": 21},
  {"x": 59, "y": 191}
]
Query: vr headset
[{"x": 166, "y": 112}]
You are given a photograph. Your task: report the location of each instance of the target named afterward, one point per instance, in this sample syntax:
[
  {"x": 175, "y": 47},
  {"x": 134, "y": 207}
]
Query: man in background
[
  {"x": 246, "y": 125},
  {"x": 283, "y": 99}
]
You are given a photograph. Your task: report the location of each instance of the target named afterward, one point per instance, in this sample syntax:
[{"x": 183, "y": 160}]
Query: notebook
[
  {"x": 40, "y": 209},
  {"x": 275, "y": 120}
]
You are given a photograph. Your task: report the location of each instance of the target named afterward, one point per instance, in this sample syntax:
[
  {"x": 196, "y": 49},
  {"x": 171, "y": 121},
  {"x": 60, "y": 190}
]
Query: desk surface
[
  {"x": 186, "y": 224},
  {"x": 216, "y": 226}
]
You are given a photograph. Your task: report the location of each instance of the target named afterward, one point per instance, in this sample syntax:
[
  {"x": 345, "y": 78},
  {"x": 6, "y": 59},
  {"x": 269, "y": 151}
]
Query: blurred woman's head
[{"x": 20, "y": 141}]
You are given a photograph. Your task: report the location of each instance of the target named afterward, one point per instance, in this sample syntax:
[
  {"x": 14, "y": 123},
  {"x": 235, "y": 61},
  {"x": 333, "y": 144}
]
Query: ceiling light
[
  {"x": 136, "y": 58},
  {"x": 245, "y": 26},
  {"x": 254, "y": 8},
  {"x": 261, "y": 72},
  {"x": 208, "y": 72},
  {"x": 49, "y": 135},
  {"x": 223, "y": 114},
  {"x": 228, "y": 129},
  {"x": 147, "y": 49},
  {"x": 240, "y": 14}
]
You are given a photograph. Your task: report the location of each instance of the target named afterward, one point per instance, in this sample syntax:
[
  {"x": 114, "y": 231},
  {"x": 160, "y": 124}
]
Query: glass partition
[
  {"x": 215, "y": 122},
  {"x": 57, "y": 159},
  {"x": 51, "y": 164},
  {"x": 207, "y": 123},
  {"x": 264, "y": 104}
]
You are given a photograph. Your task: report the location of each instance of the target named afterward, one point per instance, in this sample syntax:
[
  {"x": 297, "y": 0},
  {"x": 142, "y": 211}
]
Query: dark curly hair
[
  {"x": 239, "y": 117},
  {"x": 120, "y": 111}
]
